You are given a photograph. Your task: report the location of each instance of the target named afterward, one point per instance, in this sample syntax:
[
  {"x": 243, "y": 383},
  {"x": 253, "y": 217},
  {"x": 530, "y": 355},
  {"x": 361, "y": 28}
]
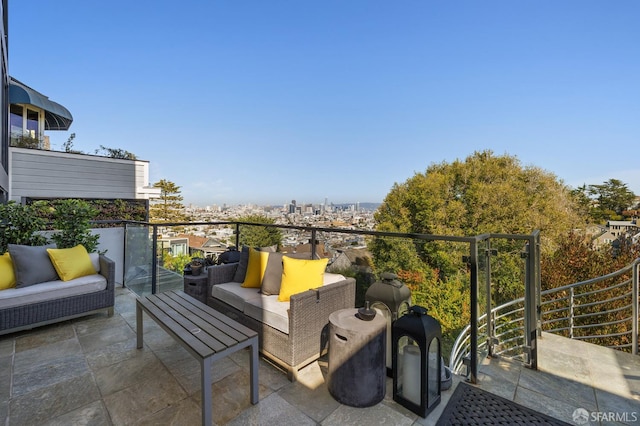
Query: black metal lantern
[
  {"x": 416, "y": 339},
  {"x": 393, "y": 299}
]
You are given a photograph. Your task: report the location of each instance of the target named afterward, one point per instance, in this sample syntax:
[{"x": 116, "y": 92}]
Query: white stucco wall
[{"x": 112, "y": 241}]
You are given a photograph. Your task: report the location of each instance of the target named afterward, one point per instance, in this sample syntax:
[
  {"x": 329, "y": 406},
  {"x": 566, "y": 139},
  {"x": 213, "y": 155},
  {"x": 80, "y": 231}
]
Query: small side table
[
  {"x": 196, "y": 286},
  {"x": 357, "y": 348}
]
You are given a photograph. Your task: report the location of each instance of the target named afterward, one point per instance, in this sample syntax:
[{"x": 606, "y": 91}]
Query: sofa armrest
[
  {"x": 108, "y": 270},
  {"x": 309, "y": 311},
  {"x": 220, "y": 274}
]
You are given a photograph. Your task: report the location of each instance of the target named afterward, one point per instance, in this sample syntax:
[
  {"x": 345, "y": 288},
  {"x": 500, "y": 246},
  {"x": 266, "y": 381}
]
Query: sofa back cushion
[
  {"x": 95, "y": 261},
  {"x": 241, "y": 270},
  {"x": 31, "y": 264}
]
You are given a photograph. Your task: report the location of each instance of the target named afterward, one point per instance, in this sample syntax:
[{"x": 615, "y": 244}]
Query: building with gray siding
[{"x": 4, "y": 100}]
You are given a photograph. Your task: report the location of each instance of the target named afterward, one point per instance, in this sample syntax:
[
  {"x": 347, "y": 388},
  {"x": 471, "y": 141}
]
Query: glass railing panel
[
  {"x": 138, "y": 259},
  {"x": 507, "y": 277},
  {"x": 172, "y": 255}
]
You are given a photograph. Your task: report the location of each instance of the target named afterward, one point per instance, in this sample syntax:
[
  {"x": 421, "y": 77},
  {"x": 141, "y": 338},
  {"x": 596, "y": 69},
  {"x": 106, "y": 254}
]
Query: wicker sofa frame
[
  {"x": 17, "y": 318},
  {"x": 308, "y": 320}
]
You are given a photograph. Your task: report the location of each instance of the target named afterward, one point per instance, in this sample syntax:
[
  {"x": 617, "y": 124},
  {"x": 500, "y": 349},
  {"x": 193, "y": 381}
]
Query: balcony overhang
[{"x": 56, "y": 117}]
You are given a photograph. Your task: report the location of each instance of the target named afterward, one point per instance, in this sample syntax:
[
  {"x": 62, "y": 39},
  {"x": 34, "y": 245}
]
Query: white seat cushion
[
  {"x": 268, "y": 310},
  {"x": 51, "y": 290},
  {"x": 233, "y": 294},
  {"x": 330, "y": 278}
]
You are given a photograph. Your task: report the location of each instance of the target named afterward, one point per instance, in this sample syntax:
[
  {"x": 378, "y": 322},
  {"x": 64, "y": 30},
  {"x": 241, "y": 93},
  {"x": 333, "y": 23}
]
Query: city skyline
[{"x": 244, "y": 102}]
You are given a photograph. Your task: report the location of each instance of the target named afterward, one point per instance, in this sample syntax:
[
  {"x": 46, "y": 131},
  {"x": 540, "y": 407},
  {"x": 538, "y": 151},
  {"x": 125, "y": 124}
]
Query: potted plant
[{"x": 196, "y": 266}]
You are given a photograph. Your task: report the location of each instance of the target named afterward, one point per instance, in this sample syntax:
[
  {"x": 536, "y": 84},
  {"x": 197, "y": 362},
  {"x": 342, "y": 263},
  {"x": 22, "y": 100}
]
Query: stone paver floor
[{"x": 88, "y": 371}]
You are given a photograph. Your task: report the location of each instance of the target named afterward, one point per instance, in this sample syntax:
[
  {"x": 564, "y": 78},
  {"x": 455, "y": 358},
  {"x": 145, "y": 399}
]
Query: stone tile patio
[{"x": 88, "y": 371}]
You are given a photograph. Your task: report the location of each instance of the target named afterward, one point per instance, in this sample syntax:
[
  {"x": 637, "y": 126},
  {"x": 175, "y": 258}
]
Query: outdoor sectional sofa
[
  {"x": 53, "y": 301},
  {"x": 292, "y": 334}
]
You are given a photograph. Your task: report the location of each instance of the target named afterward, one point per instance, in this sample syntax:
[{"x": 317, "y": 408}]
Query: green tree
[
  {"x": 484, "y": 193},
  {"x": 175, "y": 263},
  {"x": 611, "y": 199},
  {"x": 582, "y": 200},
  {"x": 168, "y": 207},
  {"x": 259, "y": 236}
]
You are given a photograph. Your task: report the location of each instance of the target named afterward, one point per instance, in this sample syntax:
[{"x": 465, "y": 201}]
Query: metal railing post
[
  {"x": 313, "y": 243},
  {"x": 154, "y": 260},
  {"x": 538, "y": 283},
  {"x": 473, "y": 265},
  {"x": 530, "y": 299},
  {"x": 571, "y": 313},
  {"x": 238, "y": 236}
]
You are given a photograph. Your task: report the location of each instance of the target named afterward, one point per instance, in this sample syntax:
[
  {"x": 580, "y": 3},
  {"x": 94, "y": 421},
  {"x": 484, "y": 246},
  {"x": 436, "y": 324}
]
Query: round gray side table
[{"x": 357, "y": 370}]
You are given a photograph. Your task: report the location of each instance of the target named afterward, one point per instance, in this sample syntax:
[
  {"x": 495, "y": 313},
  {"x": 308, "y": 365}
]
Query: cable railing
[{"x": 602, "y": 310}]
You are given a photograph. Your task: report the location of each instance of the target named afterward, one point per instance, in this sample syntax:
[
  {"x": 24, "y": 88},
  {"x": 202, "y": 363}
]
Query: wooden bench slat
[
  {"x": 218, "y": 315},
  {"x": 187, "y": 338},
  {"x": 213, "y": 321},
  {"x": 227, "y": 337},
  {"x": 187, "y": 325}
]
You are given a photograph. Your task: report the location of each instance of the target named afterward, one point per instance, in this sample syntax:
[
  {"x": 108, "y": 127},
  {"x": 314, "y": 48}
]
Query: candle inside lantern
[{"x": 411, "y": 374}]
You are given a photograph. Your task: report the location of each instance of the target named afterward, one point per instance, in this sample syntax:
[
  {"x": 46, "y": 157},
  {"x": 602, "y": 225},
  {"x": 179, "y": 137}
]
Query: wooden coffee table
[{"x": 206, "y": 333}]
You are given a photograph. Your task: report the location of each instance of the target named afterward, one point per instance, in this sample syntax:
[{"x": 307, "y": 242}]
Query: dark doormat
[{"x": 472, "y": 406}]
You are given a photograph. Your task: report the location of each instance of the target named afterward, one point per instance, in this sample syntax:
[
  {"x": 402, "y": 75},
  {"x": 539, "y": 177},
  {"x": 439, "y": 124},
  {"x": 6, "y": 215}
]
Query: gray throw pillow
[
  {"x": 272, "y": 278},
  {"x": 241, "y": 271},
  {"x": 272, "y": 275},
  {"x": 32, "y": 264}
]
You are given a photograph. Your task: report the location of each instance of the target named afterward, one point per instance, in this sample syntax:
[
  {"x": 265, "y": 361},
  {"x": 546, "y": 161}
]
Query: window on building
[
  {"x": 32, "y": 123},
  {"x": 179, "y": 249},
  {"x": 16, "y": 120}
]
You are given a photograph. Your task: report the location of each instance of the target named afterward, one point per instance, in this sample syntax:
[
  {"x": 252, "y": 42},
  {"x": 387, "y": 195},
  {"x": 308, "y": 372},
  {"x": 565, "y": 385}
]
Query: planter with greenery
[
  {"x": 196, "y": 266},
  {"x": 19, "y": 224},
  {"x": 72, "y": 220}
]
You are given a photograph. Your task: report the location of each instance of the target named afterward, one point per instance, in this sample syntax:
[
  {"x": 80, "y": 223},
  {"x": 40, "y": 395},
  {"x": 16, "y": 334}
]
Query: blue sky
[{"x": 265, "y": 101}]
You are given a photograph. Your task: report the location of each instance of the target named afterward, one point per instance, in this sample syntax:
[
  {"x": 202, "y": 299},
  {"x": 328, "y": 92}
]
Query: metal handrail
[
  {"x": 476, "y": 244},
  {"x": 458, "y": 352}
]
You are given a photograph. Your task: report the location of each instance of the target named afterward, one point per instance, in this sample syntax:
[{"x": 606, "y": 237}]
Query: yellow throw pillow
[
  {"x": 71, "y": 263},
  {"x": 7, "y": 275},
  {"x": 300, "y": 275},
  {"x": 255, "y": 268}
]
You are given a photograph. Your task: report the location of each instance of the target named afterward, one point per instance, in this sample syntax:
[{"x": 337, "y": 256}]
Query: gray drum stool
[{"x": 357, "y": 369}]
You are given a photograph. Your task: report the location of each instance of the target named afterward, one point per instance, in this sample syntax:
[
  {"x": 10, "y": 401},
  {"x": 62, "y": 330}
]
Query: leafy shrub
[
  {"x": 72, "y": 218},
  {"x": 19, "y": 224}
]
